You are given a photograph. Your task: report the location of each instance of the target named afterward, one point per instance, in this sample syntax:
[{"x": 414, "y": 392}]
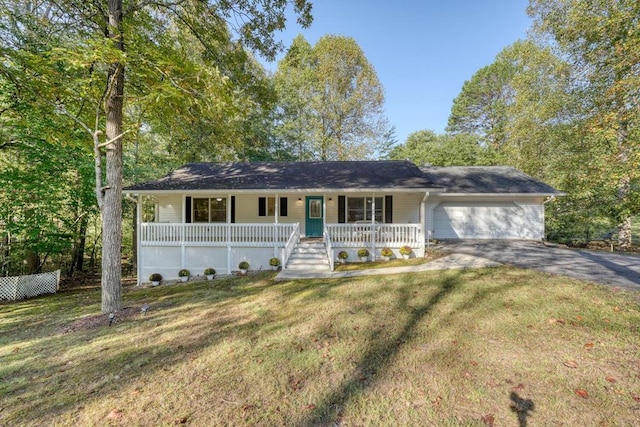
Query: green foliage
[
  {"x": 330, "y": 102},
  {"x": 243, "y": 265},
  {"x": 209, "y": 271},
  {"x": 363, "y": 252},
  {"x": 601, "y": 41},
  {"x": 155, "y": 277},
  {"x": 274, "y": 262},
  {"x": 427, "y": 148},
  {"x": 184, "y": 273}
]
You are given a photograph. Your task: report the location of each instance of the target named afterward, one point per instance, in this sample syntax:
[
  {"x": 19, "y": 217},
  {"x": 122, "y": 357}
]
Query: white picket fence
[{"x": 13, "y": 288}]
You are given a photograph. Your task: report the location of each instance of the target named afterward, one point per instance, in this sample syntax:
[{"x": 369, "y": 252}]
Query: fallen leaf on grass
[
  {"x": 610, "y": 379},
  {"x": 488, "y": 420},
  {"x": 588, "y": 345},
  {"x": 558, "y": 321},
  {"x": 635, "y": 397},
  {"x": 114, "y": 414},
  {"x": 582, "y": 393},
  {"x": 310, "y": 407},
  {"x": 519, "y": 387},
  {"x": 571, "y": 364}
]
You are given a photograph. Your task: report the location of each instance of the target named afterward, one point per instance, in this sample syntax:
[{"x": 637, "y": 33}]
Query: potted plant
[
  {"x": 184, "y": 274},
  {"x": 386, "y": 253},
  {"x": 274, "y": 263},
  {"x": 405, "y": 251},
  {"x": 209, "y": 272},
  {"x": 243, "y": 266},
  {"x": 342, "y": 256},
  {"x": 363, "y": 254},
  {"x": 155, "y": 279}
]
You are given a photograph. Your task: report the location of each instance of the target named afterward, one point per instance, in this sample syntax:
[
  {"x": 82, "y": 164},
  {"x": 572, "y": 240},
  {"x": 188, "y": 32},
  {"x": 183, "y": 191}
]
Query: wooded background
[{"x": 561, "y": 106}]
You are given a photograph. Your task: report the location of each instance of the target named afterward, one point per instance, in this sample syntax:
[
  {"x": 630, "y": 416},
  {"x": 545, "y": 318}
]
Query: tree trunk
[
  {"x": 111, "y": 206},
  {"x": 624, "y": 183},
  {"x": 77, "y": 260}
]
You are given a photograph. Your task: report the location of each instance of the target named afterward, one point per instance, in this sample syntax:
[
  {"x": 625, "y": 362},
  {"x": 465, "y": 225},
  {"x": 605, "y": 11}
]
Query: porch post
[
  {"x": 373, "y": 225},
  {"x": 423, "y": 218},
  {"x": 276, "y": 234},
  {"x": 138, "y": 240},
  {"x": 228, "y": 233}
]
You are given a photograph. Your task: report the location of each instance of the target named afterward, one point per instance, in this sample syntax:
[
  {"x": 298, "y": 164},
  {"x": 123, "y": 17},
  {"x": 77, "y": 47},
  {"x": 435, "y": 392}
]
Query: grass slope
[{"x": 473, "y": 347}]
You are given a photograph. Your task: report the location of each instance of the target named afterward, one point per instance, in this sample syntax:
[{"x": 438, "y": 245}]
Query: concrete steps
[{"x": 309, "y": 256}]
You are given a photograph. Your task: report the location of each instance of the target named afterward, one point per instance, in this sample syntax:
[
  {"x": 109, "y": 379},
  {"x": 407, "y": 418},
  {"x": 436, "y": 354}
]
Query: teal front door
[{"x": 314, "y": 222}]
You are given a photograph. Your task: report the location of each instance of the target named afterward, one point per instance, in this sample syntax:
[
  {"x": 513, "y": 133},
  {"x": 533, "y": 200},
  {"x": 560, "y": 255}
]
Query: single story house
[{"x": 218, "y": 214}]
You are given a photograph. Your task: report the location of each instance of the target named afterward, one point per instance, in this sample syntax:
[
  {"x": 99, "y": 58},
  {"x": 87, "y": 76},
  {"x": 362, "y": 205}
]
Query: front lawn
[{"x": 473, "y": 347}]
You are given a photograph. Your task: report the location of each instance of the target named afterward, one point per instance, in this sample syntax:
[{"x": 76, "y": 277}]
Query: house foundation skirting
[{"x": 169, "y": 260}]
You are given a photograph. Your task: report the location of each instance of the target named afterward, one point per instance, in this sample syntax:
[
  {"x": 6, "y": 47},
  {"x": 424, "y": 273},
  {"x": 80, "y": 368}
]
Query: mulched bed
[{"x": 101, "y": 320}]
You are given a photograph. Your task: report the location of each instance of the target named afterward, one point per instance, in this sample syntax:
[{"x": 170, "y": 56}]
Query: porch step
[{"x": 308, "y": 256}]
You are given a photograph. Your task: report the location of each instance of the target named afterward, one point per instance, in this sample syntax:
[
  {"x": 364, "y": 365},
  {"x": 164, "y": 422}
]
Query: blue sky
[{"x": 423, "y": 51}]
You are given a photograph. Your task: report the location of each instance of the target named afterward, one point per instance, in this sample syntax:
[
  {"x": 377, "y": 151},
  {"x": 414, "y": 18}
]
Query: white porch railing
[
  {"x": 380, "y": 235},
  {"x": 256, "y": 235},
  {"x": 290, "y": 245},
  {"x": 329, "y": 245}
]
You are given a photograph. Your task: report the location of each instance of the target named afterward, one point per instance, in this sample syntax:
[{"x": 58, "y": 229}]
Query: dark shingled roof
[
  {"x": 290, "y": 176},
  {"x": 390, "y": 174},
  {"x": 486, "y": 180}
]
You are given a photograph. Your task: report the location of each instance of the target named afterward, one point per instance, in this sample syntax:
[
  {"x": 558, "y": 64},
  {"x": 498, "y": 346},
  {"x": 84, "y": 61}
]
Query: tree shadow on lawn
[
  {"x": 50, "y": 372},
  {"x": 382, "y": 352}
]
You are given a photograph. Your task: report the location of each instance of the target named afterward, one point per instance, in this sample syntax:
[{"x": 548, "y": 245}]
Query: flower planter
[
  {"x": 405, "y": 256},
  {"x": 210, "y": 276},
  {"x": 155, "y": 282},
  {"x": 363, "y": 259},
  {"x": 385, "y": 258},
  {"x": 243, "y": 272},
  {"x": 184, "y": 278}
]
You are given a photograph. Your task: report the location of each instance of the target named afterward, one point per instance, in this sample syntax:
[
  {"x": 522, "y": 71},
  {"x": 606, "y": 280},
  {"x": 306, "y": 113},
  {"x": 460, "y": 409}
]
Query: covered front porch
[{"x": 166, "y": 248}]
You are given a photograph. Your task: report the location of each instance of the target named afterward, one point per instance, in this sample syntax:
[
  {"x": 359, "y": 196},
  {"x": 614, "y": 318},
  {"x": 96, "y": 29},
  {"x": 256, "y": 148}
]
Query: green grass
[{"x": 435, "y": 348}]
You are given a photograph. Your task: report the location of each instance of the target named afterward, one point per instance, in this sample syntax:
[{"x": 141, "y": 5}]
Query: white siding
[
  {"x": 406, "y": 208},
  {"x": 169, "y": 208}
]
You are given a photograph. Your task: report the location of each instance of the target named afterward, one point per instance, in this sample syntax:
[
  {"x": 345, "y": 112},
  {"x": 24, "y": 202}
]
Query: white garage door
[{"x": 478, "y": 220}]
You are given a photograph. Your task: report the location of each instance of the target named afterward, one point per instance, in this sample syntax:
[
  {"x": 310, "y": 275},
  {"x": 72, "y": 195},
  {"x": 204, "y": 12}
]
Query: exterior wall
[
  {"x": 168, "y": 260},
  {"x": 169, "y": 208},
  {"x": 485, "y": 218},
  {"x": 406, "y": 207}
]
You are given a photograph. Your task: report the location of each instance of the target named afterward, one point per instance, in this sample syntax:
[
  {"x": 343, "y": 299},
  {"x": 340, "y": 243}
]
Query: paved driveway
[{"x": 603, "y": 267}]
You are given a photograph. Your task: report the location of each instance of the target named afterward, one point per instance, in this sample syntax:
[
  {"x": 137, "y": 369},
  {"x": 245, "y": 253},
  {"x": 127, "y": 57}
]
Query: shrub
[
  {"x": 244, "y": 265},
  {"x": 209, "y": 271},
  {"x": 155, "y": 277},
  {"x": 274, "y": 262},
  {"x": 364, "y": 252},
  {"x": 184, "y": 273},
  {"x": 405, "y": 250},
  {"x": 343, "y": 255},
  {"x": 386, "y": 252}
]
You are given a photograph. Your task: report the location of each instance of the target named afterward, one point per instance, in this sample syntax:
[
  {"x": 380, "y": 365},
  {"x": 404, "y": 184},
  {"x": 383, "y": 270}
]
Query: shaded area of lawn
[{"x": 442, "y": 348}]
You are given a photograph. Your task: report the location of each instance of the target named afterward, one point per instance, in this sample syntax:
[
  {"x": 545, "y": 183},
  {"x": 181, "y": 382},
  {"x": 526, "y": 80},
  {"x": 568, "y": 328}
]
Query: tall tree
[
  {"x": 481, "y": 106},
  {"x": 425, "y": 147},
  {"x": 602, "y": 42},
  {"x": 331, "y": 101},
  {"x": 96, "y": 42}
]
